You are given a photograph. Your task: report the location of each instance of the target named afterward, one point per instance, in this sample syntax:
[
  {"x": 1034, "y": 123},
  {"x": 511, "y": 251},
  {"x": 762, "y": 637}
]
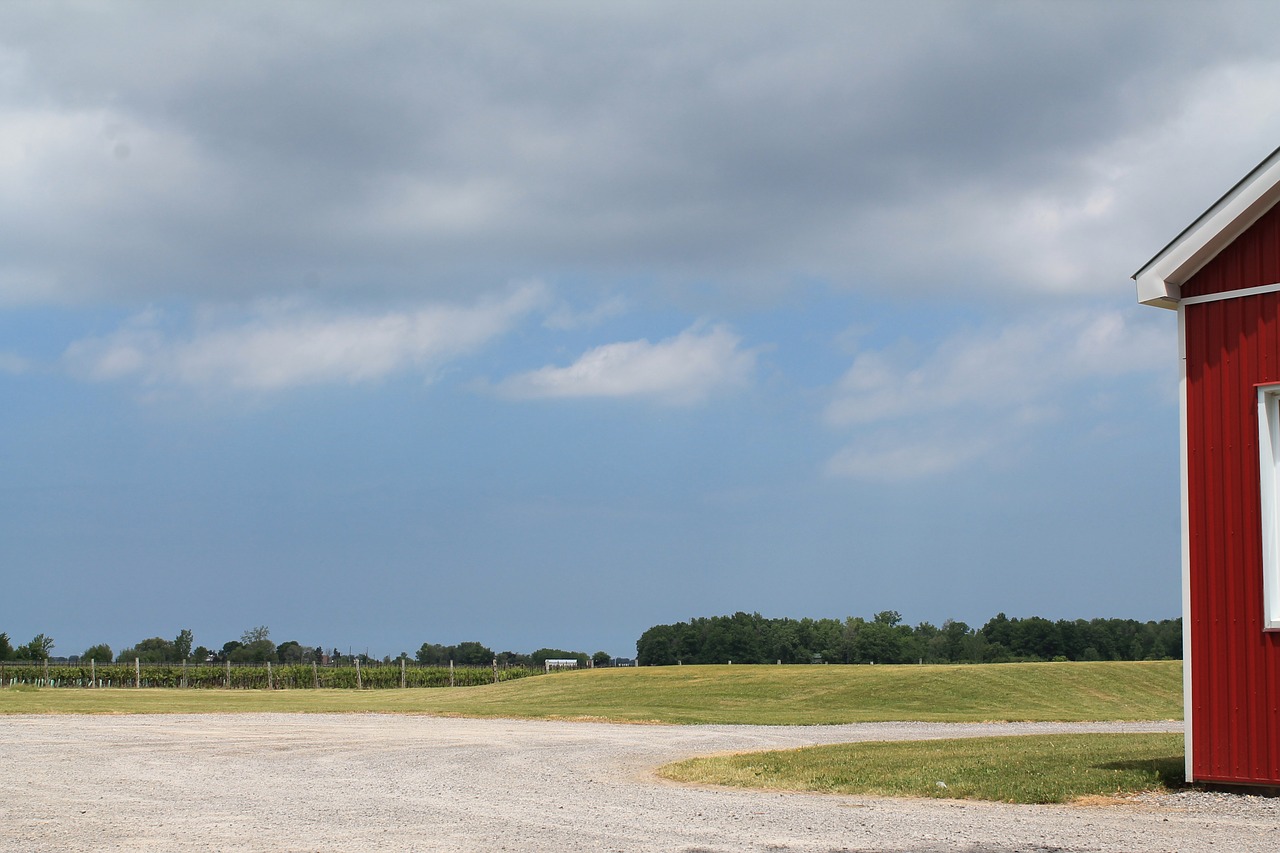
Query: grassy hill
[{"x": 770, "y": 695}]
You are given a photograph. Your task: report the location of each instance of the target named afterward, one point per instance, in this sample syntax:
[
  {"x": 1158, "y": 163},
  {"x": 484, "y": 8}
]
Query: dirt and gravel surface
[{"x": 303, "y": 782}]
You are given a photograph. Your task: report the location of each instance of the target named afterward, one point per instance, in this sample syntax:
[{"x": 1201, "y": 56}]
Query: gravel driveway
[{"x": 304, "y": 782}]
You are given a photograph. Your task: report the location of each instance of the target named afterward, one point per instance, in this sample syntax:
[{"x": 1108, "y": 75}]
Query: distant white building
[{"x": 561, "y": 663}]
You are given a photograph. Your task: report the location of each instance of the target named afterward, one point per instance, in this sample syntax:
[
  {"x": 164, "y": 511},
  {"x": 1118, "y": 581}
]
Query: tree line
[
  {"x": 255, "y": 646},
  {"x": 751, "y": 638}
]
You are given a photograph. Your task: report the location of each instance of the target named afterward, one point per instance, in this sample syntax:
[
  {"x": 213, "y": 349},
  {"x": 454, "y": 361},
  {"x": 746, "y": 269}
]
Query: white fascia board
[
  {"x": 1154, "y": 290},
  {"x": 1184, "y": 488},
  {"x": 1160, "y": 281}
]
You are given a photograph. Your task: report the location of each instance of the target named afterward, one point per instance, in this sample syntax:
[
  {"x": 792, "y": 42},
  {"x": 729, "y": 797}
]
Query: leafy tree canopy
[
  {"x": 38, "y": 649},
  {"x": 100, "y": 653}
]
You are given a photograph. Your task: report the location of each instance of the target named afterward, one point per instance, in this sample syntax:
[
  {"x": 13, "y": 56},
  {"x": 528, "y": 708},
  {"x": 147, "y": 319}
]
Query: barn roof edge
[{"x": 1159, "y": 280}]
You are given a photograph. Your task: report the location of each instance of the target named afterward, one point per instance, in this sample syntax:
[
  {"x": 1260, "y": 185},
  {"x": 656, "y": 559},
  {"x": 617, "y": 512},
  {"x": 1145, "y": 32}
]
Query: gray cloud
[
  {"x": 229, "y": 151},
  {"x": 980, "y": 392}
]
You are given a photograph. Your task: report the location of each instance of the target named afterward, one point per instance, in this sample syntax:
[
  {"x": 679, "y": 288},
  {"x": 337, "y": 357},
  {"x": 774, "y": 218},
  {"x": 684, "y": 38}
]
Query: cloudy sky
[{"x": 540, "y": 324}]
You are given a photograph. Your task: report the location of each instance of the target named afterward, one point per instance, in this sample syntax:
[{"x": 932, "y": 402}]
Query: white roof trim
[{"x": 1160, "y": 281}]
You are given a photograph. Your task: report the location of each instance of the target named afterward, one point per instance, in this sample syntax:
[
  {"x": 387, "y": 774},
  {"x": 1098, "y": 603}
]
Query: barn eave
[{"x": 1160, "y": 280}]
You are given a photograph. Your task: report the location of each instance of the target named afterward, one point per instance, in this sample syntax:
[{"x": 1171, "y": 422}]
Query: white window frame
[{"x": 1269, "y": 471}]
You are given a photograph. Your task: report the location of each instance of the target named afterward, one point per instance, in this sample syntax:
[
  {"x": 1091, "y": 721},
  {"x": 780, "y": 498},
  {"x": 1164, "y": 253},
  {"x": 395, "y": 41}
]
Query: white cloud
[
  {"x": 680, "y": 370},
  {"x": 565, "y": 318},
  {"x": 282, "y": 345},
  {"x": 890, "y": 457},
  {"x": 925, "y": 416}
]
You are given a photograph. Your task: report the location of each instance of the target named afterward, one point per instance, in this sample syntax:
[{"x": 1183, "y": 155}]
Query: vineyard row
[{"x": 253, "y": 676}]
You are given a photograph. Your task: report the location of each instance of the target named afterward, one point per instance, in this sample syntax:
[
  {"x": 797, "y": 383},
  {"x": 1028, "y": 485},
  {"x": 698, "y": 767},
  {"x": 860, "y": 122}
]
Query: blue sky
[{"x": 539, "y": 325}]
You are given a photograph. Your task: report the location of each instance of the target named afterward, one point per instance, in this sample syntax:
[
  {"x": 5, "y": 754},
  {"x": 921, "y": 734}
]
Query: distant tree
[
  {"x": 182, "y": 645},
  {"x": 601, "y": 659},
  {"x": 879, "y": 642},
  {"x": 100, "y": 653},
  {"x": 38, "y": 649},
  {"x": 201, "y": 654},
  {"x": 291, "y": 651},
  {"x": 472, "y": 654},
  {"x": 151, "y": 650},
  {"x": 227, "y": 649},
  {"x": 513, "y": 659},
  {"x": 953, "y": 636},
  {"x": 999, "y": 630},
  {"x": 6, "y": 647},
  {"x": 432, "y": 654},
  {"x": 255, "y": 635},
  {"x": 259, "y": 651},
  {"x": 657, "y": 646},
  {"x": 974, "y": 648}
]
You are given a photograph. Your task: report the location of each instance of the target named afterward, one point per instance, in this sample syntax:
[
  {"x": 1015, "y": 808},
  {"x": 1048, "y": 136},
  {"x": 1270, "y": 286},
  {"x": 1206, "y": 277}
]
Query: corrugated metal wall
[{"x": 1232, "y": 345}]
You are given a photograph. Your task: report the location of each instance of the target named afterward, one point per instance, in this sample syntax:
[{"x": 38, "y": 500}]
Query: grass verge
[
  {"x": 763, "y": 695},
  {"x": 1021, "y": 769}
]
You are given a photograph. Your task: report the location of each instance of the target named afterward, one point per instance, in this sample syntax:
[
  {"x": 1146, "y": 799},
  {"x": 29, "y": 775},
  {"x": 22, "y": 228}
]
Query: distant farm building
[
  {"x": 561, "y": 663},
  {"x": 1222, "y": 276}
]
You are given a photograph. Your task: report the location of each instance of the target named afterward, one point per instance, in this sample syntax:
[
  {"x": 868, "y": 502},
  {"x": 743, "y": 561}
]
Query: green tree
[
  {"x": 657, "y": 646},
  {"x": 255, "y": 635},
  {"x": 601, "y": 659},
  {"x": 472, "y": 654},
  {"x": 6, "y": 647},
  {"x": 38, "y": 649},
  {"x": 432, "y": 654},
  {"x": 101, "y": 653},
  {"x": 182, "y": 645},
  {"x": 150, "y": 650},
  {"x": 291, "y": 651},
  {"x": 259, "y": 651},
  {"x": 878, "y": 642},
  {"x": 514, "y": 659}
]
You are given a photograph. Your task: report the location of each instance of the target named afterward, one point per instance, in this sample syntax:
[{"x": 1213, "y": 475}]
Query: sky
[{"x": 542, "y": 324}]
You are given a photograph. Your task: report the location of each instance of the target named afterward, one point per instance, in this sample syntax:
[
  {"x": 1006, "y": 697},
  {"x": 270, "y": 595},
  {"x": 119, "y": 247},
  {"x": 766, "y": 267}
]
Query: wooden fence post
[
  {"x": 359, "y": 680},
  {"x": 93, "y": 672},
  {"x": 315, "y": 674},
  {"x": 46, "y": 672},
  {"x": 269, "y": 687},
  {"x": 184, "y": 674},
  {"x": 227, "y": 680},
  {"x": 137, "y": 673},
  {"x": 450, "y": 673},
  {"x": 402, "y": 673},
  {"x": 495, "y": 670}
]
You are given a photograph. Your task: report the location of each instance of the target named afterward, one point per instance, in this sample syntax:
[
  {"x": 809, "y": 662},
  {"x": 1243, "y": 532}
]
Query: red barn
[{"x": 1222, "y": 276}]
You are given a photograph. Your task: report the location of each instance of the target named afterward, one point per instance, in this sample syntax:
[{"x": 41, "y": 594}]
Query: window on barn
[{"x": 1269, "y": 459}]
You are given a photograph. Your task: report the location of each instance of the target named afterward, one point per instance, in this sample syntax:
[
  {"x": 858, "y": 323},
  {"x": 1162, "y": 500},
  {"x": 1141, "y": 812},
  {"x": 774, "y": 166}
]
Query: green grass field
[
  {"x": 1024, "y": 769},
  {"x": 768, "y": 695}
]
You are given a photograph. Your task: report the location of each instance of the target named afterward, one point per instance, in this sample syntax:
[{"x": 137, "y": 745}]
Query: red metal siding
[{"x": 1232, "y": 345}]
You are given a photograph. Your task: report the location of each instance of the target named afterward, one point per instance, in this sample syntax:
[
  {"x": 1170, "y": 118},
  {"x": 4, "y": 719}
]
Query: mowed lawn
[
  {"x": 1022, "y": 769},
  {"x": 763, "y": 695}
]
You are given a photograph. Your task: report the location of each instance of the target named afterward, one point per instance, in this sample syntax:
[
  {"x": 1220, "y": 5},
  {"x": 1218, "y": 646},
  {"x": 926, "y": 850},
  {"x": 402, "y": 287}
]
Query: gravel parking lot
[{"x": 301, "y": 782}]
